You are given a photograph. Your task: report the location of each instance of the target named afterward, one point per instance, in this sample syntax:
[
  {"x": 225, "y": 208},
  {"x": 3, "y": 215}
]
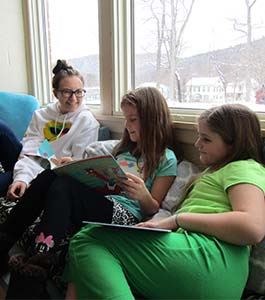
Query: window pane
[
  {"x": 202, "y": 53},
  {"x": 73, "y": 35}
]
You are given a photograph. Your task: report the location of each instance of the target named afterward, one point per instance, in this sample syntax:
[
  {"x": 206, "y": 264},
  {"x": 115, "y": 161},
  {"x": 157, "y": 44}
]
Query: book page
[{"x": 102, "y": 173}]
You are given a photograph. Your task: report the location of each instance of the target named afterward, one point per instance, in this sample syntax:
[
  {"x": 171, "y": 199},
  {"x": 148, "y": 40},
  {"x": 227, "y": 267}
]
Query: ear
[{"x": 55, "y": 93}]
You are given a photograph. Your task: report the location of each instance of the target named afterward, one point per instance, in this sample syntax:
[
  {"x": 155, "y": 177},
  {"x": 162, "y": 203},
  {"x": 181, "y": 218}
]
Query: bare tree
[
  {"x": 178, "y": 25},
  {"x": 171, "y": 17},
  {"x": 246, "y": 29}
]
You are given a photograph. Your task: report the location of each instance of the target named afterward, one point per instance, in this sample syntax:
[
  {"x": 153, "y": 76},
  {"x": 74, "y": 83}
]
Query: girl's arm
[
  {"x": 245, "y": 225},
  {"x": 149, "y": 201}
]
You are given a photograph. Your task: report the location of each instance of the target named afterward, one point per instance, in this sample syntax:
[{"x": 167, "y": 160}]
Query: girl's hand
[
  {"x": 62, "y": 160},
  {"x": 16, "y": 190},
  {"x": 165, "y": 223},
  {"x": 135, "y": 187},
  {"x": 149, "y": 201}
]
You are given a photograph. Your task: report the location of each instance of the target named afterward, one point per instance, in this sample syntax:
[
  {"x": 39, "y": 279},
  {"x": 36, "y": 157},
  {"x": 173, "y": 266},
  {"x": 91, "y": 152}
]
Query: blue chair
[{"x": 16, "y": 110}]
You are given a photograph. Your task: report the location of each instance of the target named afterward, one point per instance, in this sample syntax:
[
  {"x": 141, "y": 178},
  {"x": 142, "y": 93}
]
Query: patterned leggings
[{"x": 121, "y": 215}]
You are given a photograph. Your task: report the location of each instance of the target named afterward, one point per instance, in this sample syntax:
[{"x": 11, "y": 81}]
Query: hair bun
[{"x": 61, "y": 65}]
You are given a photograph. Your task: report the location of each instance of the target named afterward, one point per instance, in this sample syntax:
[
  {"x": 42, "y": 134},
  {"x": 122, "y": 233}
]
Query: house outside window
[{"x": 206, "y": 52}]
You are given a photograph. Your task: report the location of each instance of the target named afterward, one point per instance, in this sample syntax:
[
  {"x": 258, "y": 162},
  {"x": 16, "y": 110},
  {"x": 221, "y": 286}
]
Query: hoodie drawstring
[{"x": 61, "y": 131}]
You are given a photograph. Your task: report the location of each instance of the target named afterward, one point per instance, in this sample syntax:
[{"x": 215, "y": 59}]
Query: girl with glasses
[{"x": 67, "y": 124}]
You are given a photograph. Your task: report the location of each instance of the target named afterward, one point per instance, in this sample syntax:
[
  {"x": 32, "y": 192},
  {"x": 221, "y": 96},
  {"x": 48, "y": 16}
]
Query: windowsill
[{"x": 117, "y": 122}]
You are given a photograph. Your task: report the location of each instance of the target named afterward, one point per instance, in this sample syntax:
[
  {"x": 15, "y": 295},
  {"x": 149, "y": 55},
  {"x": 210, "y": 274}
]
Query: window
[
  {"x": 73, "y": 35},
  {"x": 179, "y": 43},
  {"x": 196, "y": 59}
]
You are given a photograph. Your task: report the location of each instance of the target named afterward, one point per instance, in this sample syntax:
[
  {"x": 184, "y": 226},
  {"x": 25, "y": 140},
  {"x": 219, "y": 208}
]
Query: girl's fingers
[
  {"x": 134, "y": 178},
  {"x": 146, "y": 224},
  {"x": 55, "y": 161}
]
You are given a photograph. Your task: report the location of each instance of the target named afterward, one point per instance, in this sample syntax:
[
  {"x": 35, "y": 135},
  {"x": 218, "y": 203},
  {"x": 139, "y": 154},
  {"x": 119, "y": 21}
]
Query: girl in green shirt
[{"x": 206, "y": 254}]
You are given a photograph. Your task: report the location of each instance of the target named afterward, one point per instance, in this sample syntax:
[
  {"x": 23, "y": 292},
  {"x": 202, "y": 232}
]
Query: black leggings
[
  {"x": 65, "y": 202},
  {"x": 10, "y": 149},
  {"x": 70, "y": 202}
]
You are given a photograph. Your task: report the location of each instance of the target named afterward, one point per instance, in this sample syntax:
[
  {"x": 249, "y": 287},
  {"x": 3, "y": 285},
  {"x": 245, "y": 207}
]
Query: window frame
[
  {"x": 115, "y": 55},
  {"x": 37, "y": 52}
]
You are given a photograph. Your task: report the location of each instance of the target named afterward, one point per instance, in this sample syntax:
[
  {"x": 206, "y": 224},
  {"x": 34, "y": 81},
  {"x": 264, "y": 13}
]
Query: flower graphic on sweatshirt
[{"x": 54, "y": 129}]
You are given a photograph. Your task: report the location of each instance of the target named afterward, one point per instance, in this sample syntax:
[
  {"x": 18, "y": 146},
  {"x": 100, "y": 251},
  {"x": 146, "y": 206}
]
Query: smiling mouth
[{"x": 71, "y": 103}]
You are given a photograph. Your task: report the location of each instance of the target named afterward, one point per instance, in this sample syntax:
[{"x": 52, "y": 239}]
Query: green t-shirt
[
  {"x": 167, "y": 167},
  {"x": 209, "y": 193}
]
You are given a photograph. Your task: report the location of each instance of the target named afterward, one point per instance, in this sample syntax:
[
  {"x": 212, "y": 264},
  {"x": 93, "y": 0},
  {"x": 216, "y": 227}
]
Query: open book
[
  {"x": 101, "y": 173},
  {"x": 128, "y": 226}
]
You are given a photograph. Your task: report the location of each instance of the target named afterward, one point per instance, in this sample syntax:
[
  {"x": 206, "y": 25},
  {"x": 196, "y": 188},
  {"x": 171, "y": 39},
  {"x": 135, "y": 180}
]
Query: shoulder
[
  {"x": 85, "y": 116},
  {"x": 49, "y": 110},
  {"x": 169, "y": 154},
  {"x": 169, "y": 157},
  {"x": 243, "y": 171},
  {"x": 85, "y": 112},
  {"x": 249, "y": 165},
  {"x": 168, "y": 164}
]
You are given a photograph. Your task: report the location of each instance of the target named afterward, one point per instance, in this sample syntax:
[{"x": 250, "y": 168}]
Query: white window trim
[
  {"x": 37, "y": 49},
  {"x": 122, "y": 47},
  {"x": 105, "y": 57}
]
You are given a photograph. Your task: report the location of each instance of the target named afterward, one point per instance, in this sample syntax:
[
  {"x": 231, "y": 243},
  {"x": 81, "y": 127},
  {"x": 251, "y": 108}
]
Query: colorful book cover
[{"x": 101, "y": 173}]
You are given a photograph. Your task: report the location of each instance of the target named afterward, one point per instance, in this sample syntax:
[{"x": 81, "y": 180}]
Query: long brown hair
[
  {"x": 156, "y": 130},
  {"x": 239, "y": 127}
]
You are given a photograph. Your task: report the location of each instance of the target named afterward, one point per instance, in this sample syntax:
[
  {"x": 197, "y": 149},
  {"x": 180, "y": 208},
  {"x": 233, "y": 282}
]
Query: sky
[
  {"x": 209, "y": 28},
  {"x": 75, "y": 30},
  {"x": 211, "y": 25}
]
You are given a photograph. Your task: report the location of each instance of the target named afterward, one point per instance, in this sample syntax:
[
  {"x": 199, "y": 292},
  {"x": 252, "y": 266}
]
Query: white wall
[{"x": 13, "y": 66}]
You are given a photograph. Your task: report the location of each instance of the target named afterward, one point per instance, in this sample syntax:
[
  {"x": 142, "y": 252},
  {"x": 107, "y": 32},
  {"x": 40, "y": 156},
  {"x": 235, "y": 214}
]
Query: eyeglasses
[{"x": 69, "y": 93}]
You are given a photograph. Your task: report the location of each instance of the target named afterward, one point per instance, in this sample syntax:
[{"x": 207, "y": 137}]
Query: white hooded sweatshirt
[{"x": 69, "y": 134}]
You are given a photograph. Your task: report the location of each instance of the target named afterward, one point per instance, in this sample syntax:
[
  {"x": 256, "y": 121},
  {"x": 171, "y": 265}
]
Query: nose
[
  {"x": 126, "y": 124},
  {"x": 197, "y": 143},
  {"x": 73, "y": 95}
]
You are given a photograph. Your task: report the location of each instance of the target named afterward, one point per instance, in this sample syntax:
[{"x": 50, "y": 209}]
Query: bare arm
[
  {"x": 149, "y": 201},
  {"x": 245, "y": 225}
]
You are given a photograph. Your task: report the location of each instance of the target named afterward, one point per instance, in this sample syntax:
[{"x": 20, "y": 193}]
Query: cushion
[
  {"x": 104, "y": 133},
  {"x": 16, "y": 110},
  {"x": 256, "y": 278},
  {"x": 186, "y": 170},
  {"x": 100, "y": 148}
]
